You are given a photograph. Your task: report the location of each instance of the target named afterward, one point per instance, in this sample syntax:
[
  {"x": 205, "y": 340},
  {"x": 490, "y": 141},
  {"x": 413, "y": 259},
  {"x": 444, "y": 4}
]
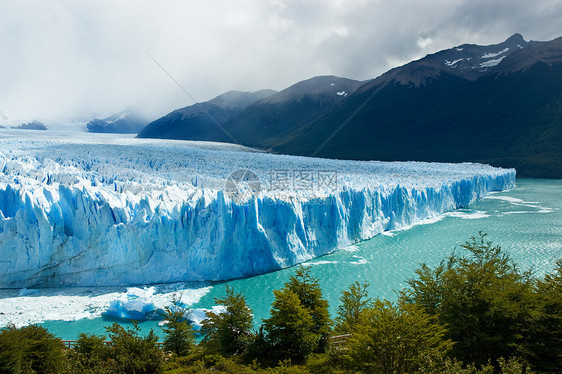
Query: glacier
[{"x": 101, "y": 210}]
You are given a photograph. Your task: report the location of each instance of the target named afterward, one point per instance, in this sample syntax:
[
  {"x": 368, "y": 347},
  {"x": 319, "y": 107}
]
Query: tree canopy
[
  {"x": 228, "y": 332},
  {"x": 483, "y": 299}
]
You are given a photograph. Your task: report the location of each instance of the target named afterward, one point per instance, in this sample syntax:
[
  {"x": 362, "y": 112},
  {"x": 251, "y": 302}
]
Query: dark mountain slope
[
  {"x": 272, "y": 119},
  {"x": 497, "y": 104},
  {"x": 511, "y": 116},
  {"x": 468, "y": 61},
  {"x": 258, "y": 119},
  {"x": 203, "y": 121}
]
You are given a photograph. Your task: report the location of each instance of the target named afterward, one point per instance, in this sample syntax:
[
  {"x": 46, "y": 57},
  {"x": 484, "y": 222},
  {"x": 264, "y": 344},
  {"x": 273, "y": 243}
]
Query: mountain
[
  {"x": 266, "y": 122},
  {"x": 467, "y": 61},
  {"x": 498, "y": 104},
  {"x": 203, "y": 121},
  {"x": 35, "y": 125},
  {"x": 261, "y": 122},
  {"x": 125, "y": 122}
]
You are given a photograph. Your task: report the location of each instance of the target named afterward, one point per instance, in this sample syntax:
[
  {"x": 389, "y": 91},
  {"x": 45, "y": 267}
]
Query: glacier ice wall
[{"x": 101, "y": 212}]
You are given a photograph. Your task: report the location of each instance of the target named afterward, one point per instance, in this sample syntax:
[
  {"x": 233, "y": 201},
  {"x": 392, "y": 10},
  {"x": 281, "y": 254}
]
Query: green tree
[
  {"x": 545, "y": 336},
  {"x": 395, "y": 339},
  {"x": 289, "y": 330},
  {"x": 30, "y": 349},
  {"x": 133, "y": 354},
  {"x": 482, "y": 298},
  {"x": 228, "y": 333},
  {"x": 179, "y": 338},
  {"x": 353, "y": 302},
  {"x": 306, "y": 287},
  {"x": 90, "y": 355}
]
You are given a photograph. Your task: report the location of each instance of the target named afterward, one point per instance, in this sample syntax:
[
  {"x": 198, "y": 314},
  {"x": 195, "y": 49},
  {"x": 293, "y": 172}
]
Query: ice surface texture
[{"x": 103, "y": 212}]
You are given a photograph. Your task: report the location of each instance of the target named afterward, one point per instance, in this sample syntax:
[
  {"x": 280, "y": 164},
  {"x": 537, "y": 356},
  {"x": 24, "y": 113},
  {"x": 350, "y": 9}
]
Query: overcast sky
[{"x": 64, "y": 60}]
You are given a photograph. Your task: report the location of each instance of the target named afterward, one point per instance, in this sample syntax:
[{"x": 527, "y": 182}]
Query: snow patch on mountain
[
  {"x": 119, "y": 117},
  {"x": 496, "y": 54},
  {"x": 453, "y": 63},
  {"x": 491, "y": 63}
]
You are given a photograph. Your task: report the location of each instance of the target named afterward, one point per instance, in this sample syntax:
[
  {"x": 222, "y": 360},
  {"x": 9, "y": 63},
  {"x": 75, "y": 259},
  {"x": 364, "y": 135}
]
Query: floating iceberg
[
  {"x": 99, "y": 211},
  {"x": 136, "y": 304},
  {"x": 196, "y": 316},
  {"x": 22, "y": 307}
]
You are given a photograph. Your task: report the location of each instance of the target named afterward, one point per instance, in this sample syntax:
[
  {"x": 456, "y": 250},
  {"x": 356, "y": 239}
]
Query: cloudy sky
[{"x": 64, "y": 60}]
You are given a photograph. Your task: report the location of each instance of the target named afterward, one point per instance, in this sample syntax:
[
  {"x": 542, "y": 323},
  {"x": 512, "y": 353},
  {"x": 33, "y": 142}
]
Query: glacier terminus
[{"x": 102, "y": 210}]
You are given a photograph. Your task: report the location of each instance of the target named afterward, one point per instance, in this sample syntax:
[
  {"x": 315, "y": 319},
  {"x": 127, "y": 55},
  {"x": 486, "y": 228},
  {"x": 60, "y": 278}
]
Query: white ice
[
  {"x": 77, "y": 303},
  {"x": 107, "y": 211}
]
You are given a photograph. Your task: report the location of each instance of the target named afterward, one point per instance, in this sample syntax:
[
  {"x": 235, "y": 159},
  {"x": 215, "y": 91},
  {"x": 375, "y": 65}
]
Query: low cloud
[{"x": 66, "y": 60}]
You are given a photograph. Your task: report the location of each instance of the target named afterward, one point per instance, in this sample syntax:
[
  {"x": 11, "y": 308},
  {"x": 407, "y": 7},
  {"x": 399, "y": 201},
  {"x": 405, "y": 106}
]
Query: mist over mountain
[
  {"x": 125, "y": 122},
  {"x": 33, "y": 125},
  {"x": 270, "y": 120},
  {"x": 261, "y": 118},
  {"x": 498, "y": 104},
  {"x": 203, "y": 121}
]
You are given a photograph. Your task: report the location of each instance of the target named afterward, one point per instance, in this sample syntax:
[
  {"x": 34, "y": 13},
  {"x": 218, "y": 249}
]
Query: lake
[{"x": 526, "y": 222}]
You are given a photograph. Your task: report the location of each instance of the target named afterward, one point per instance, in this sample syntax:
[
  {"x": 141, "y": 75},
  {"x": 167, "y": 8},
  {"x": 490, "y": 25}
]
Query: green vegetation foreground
[{"x": 476, "y": 312}]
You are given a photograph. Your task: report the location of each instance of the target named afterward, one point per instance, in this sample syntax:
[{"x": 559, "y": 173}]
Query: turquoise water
[{"x": 526, "y": 222}]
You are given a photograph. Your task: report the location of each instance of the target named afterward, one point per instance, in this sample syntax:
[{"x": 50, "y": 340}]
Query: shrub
[
  {"x": 132, "y": 353},
  {"x": 545, "y": 336},
  {"x": 90, "y": 355},
  {"x": 482, "y": 298},
  {"x": 395, "y": 339},
  {"x": 30, "y": 349}
]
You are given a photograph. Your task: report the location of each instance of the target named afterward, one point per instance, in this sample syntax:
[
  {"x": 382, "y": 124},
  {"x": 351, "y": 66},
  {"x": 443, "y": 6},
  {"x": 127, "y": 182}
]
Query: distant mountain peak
[
  {"x": 327, "y": 87},
  {"x": 125, "y": 122},
  {"x": 467, "y": 61},
  {"x": 199, "y": 121},
  {"x": 546, "y": 52},
  {"x": 497, "y": 104},
  {"x": 516, "y": 38},
  {"x": 34, "y": 125},
  {"x": 240, "y": 98}
]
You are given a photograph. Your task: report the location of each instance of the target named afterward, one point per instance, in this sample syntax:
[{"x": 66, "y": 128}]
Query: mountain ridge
[
  {"x": 506, "y": 117},
  {"x": 498, "y": 104},
  {"x": 125, "y": 122},
  {"x": 203, "y": 121}
]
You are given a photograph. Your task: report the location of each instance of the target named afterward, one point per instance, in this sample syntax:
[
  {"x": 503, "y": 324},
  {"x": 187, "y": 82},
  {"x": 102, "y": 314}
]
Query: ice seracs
[{"x": 121, "y": 211}]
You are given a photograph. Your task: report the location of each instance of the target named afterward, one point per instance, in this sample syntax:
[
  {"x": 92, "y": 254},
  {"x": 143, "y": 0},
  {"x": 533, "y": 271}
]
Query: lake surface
[{"x": 526, "y": 222}]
